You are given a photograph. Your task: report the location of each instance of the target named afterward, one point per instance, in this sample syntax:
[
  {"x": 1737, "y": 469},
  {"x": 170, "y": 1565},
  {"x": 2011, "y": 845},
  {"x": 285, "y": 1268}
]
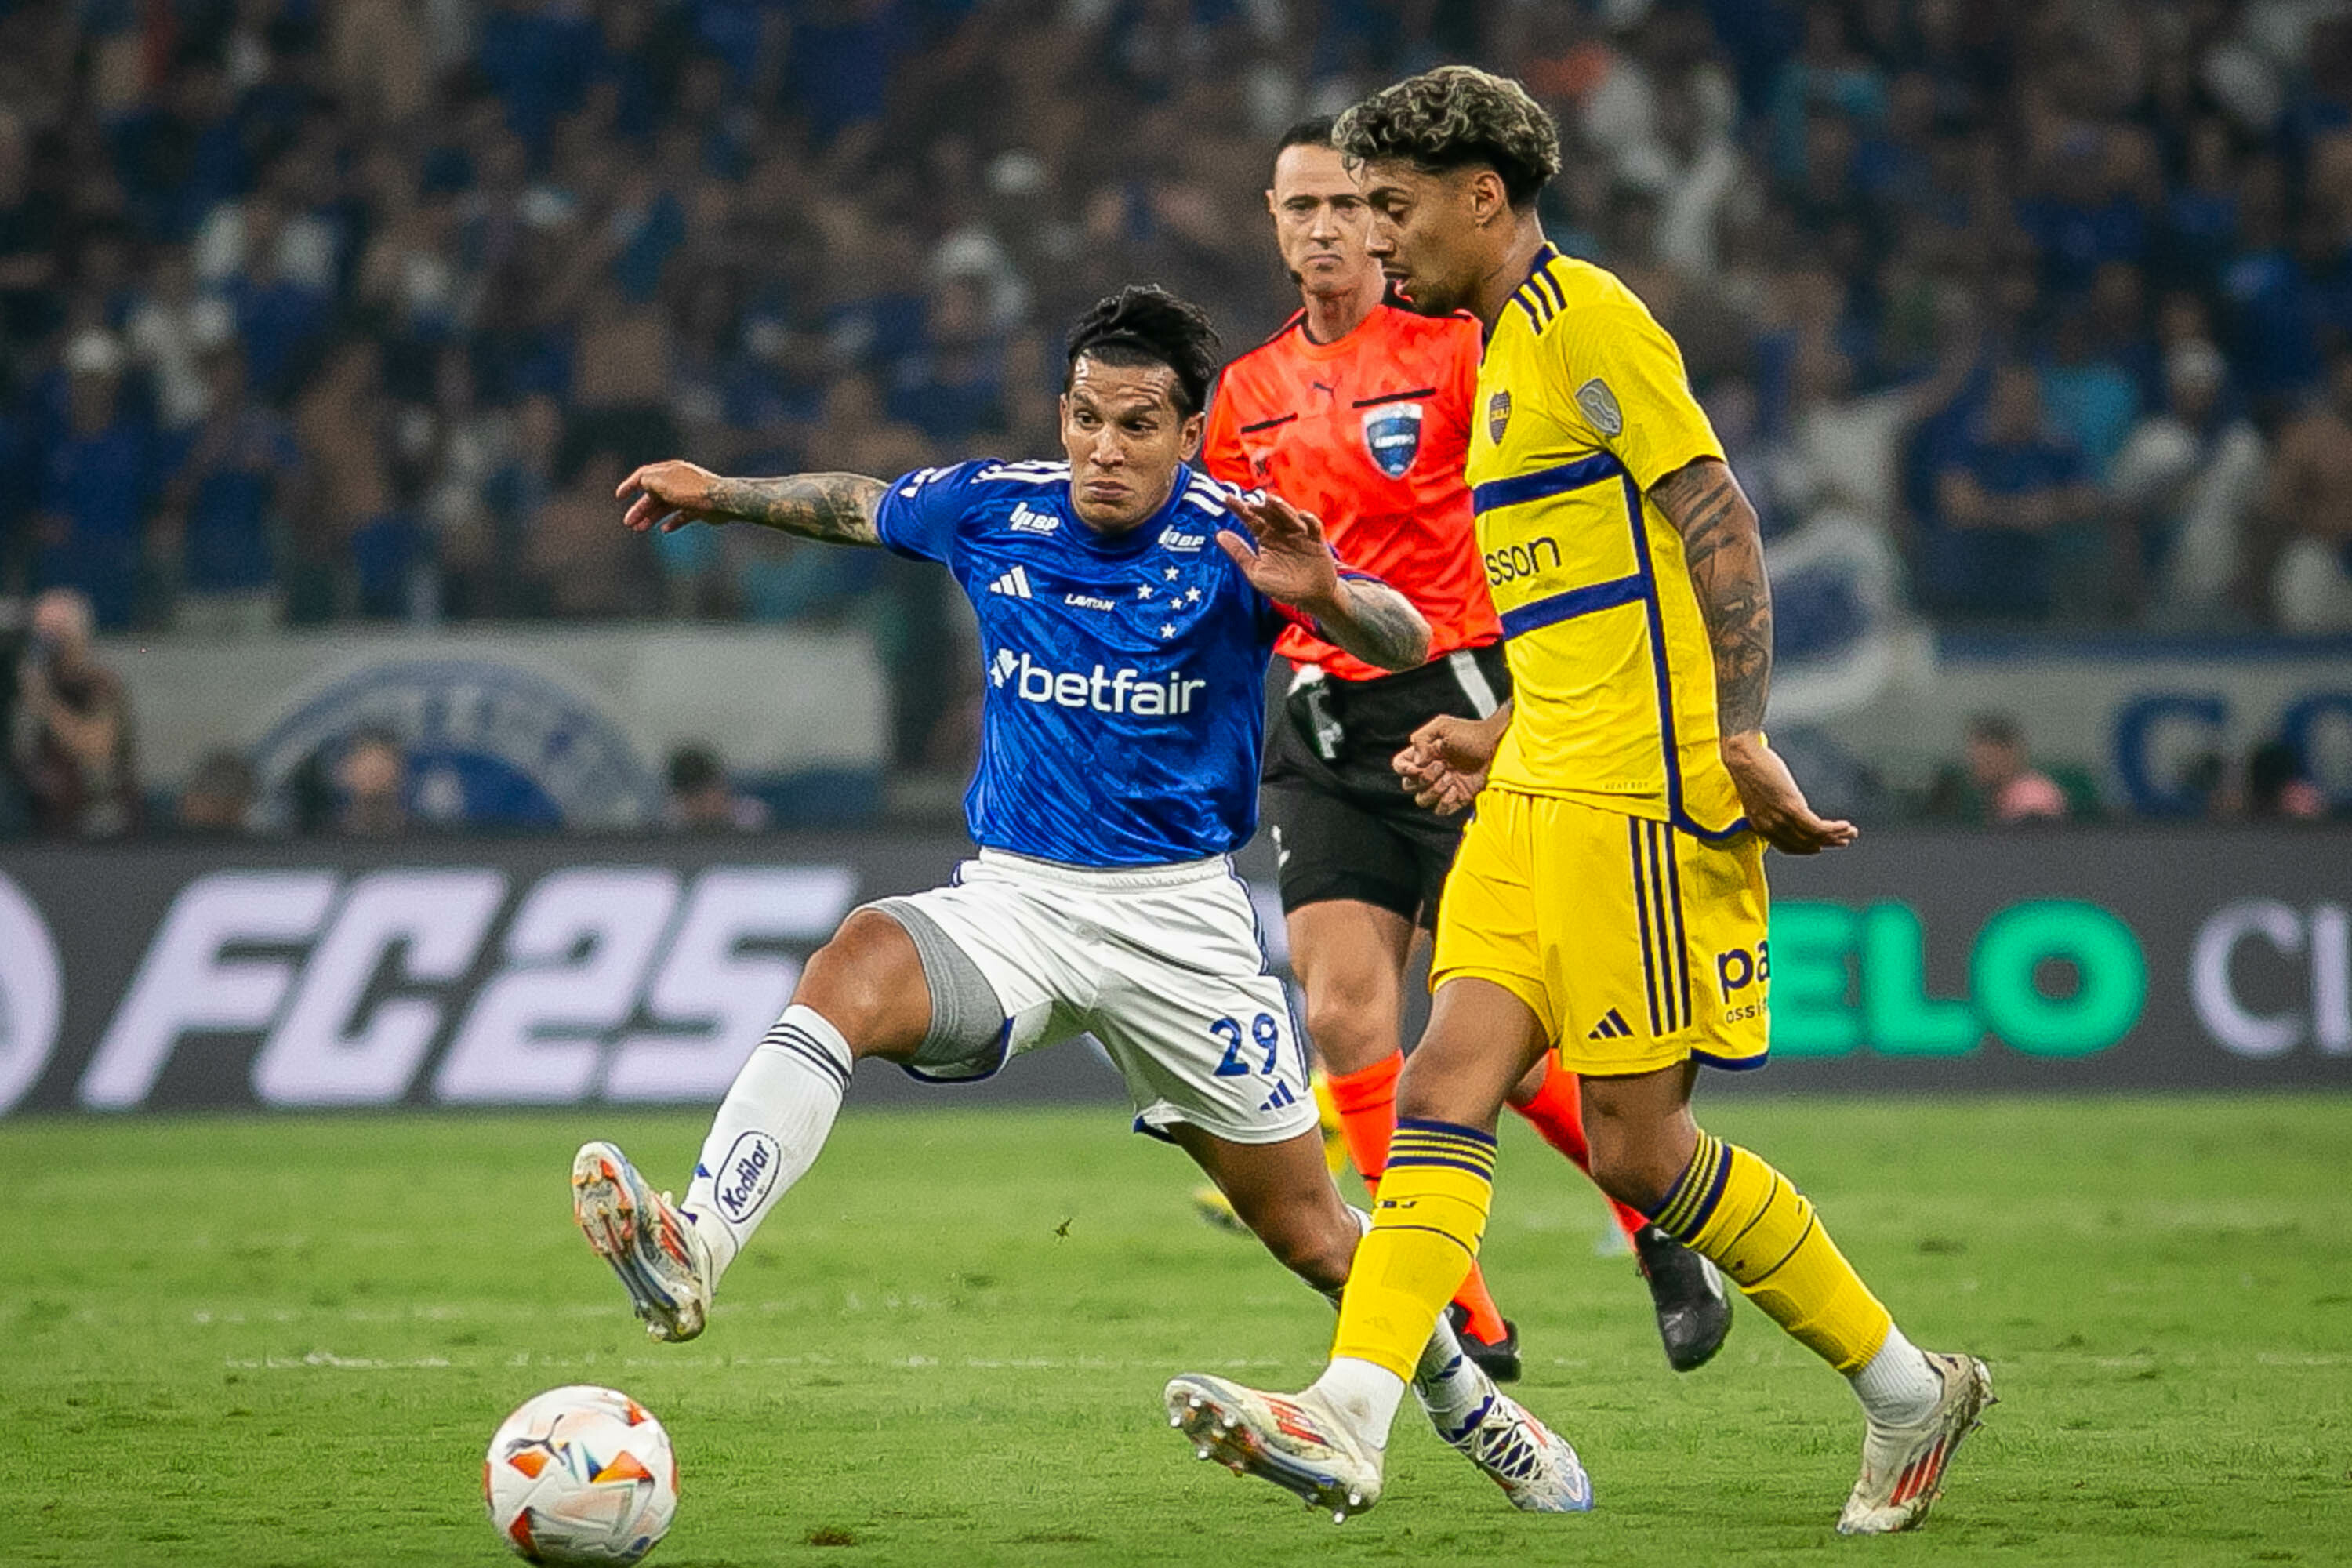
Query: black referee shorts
[{"x": 1343, "y": 825}]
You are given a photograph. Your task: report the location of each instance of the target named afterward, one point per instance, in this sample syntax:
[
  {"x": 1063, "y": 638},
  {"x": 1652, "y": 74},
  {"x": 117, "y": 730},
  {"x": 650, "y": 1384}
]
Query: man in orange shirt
[{"x": 1358, "y": 410}]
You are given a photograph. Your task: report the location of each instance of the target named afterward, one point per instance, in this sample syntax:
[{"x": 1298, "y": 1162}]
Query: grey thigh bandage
[{"x": 966, "y": 1038}]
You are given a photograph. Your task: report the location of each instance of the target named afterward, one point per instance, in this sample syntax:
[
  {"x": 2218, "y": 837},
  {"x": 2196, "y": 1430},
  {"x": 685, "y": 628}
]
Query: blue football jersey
[{"x": 1125, "y": 702}]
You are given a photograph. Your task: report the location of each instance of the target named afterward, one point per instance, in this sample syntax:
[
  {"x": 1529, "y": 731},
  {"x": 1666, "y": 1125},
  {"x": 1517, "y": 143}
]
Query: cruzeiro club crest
[
  {"x": 1498, "y": 417},
  {"x": 1392, "y": 435}
]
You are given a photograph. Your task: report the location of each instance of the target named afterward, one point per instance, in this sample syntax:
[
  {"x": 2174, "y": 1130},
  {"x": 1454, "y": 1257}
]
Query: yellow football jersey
[{"x": 1583, "y": 404}]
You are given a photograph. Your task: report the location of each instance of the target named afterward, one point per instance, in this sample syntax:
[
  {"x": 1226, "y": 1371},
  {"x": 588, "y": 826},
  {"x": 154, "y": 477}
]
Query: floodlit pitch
[{"x": 282, "y": 1343}]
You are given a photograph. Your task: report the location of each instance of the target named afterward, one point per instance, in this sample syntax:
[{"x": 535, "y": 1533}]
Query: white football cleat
[
  {"x": 1903, "y": 1467},
  {"x": 1534, "y": 1465},
  {"x": 651, "y": 1246},
  {"x": 1296, "y": 1441}
]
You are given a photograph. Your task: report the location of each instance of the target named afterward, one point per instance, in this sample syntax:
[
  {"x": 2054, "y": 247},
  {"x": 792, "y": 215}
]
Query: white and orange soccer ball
[{"x": 579, "y": 1476}]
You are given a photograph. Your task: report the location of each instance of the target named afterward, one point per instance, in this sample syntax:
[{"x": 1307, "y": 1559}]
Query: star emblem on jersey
[
  {"x": 1498, "y": 417},
  {"x": 1144, "y": 592},
  {"x": 1169, "y": 573},
  {"x": 1599, "y": 406},
  {"x": 1167, "y": 629},
  {"x": 1392, "y": 435},
  {"x": 1192, "y": 596}
]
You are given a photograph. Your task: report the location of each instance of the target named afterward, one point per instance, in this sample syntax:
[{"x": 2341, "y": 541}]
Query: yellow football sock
[
  {"x": 1431, "y": 1212},
  {"x": 1326, "y": 1115},
  {"x": 1760, "y": 1230}
]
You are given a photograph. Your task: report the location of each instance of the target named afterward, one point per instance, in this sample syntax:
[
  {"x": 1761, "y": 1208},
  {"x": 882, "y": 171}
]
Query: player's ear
[
  {"x": 1489, "y": 198},
  {"x": 1271, "y": 210},
  {"x": 1195, "y": 425}
]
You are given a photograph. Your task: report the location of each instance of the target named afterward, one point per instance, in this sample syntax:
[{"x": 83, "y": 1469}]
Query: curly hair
[
  {"x": 1145, "y": 324},
  {"x": 1452, "y": 118}
]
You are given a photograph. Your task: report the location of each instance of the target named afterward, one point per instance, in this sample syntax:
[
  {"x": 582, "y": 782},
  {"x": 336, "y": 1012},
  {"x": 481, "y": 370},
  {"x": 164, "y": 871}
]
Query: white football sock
[
  {"x": 1453, "y": 1389},
  {"x": 1365, "y": 1394},
  {"x": 768, "y": 1130},
  {"x": 1897, "y": 1385}
]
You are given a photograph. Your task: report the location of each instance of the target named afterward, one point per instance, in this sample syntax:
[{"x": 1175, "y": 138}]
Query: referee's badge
[
  {"x": 1392, "y": 435},
  {"x": 1498, "y": 417},
  {"x": 1599, "y": 406}
]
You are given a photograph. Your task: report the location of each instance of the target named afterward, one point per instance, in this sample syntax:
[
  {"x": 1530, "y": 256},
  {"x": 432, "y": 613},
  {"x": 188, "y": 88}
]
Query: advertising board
[{"x": 461, "y": 972}]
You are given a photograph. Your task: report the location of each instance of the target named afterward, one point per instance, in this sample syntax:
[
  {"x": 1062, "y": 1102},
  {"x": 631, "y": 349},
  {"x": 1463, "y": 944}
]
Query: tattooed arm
[
  {"x": 1725, "y": 553},
  {"x": 838, "y": 508},
  {"x": 1376, "y": 623}
]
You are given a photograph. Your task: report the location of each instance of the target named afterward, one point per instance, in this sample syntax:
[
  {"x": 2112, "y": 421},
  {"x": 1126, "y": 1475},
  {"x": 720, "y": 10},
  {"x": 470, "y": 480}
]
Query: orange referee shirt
[{"x": 1369, "y": 434}]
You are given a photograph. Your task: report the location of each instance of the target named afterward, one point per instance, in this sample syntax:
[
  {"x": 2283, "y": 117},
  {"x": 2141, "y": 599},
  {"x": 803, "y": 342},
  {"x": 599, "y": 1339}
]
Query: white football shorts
[{"x": 1164, "y": 965}]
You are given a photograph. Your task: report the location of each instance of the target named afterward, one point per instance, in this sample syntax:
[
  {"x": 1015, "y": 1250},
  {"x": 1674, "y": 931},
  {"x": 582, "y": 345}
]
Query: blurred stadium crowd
[{"x": 314, "y": 310}]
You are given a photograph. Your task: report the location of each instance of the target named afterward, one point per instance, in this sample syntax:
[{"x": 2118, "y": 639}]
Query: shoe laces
[{"x": 1506, "y": 1449}]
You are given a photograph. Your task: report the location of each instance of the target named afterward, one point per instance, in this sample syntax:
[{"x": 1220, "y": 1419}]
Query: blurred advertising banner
[
  {"x": 459, "y": 972},
  {"x": 2146, "y": 715},
  {"x": 524, "y": 727}
]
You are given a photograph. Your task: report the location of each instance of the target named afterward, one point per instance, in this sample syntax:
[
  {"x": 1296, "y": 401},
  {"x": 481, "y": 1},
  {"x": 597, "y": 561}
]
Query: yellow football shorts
[{"x": 1637, "y": 945}]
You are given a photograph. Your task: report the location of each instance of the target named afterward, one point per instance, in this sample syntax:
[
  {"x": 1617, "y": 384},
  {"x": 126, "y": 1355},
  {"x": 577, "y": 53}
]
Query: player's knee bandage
[
  {"x": 967, "y": 1032},
  {"x": 1426, "y": 1227},
  {"x": 1731, "y": 1206}
]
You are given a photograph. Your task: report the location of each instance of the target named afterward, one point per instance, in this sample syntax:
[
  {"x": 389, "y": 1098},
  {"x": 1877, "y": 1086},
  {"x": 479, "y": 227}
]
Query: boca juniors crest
[{"x": 1392, "y": 435}]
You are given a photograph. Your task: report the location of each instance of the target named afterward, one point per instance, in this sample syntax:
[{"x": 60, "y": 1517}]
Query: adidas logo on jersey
[
  {"x": 1025, "y": 521},
  {"x": 1612, "y": 1026},
  {"x": 1125, "y": 691},
  {"x": 1013, "y": 584},
  {"x": 1279, "y": 1097}
]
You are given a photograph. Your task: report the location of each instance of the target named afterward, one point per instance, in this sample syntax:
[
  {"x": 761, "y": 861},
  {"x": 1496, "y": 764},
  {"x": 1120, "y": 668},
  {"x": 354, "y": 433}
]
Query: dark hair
[
  {"x": 2271, "y": 767},
  {"x": 1456, "y": 117},
  {"x": 1995, "y": 728},
  {"x": 693, "y": 768},
  {"x": 1145, "y": 324},
  {"x": 1314, "y": 131},
  {"x": 221, "y": 773}
]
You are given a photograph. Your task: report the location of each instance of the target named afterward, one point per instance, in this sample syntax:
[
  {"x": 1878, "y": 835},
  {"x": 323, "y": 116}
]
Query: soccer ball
[{"x": 580, "y": 1475}]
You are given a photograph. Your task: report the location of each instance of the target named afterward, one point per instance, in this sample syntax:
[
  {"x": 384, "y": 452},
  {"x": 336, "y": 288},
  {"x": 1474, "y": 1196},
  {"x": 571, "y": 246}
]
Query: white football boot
[
  {"x": 651, "y": 1246},
  {"x": 1296, "y": 1441},
  {"x": 1534, "y": 1465},
  {"x": 1903, "y": 1467}
]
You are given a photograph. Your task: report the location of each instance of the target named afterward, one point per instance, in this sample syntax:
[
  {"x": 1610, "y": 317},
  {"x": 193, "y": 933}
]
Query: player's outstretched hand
[
  {"x": 1775, "y": 805},
  {"x": 669, "y": 495},
  {"x": 1290, "y": 562},
  {"x": 1443, "y": 766}
]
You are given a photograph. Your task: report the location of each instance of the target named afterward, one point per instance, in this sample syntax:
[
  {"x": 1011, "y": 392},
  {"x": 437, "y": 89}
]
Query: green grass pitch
[{"x": 276, "y": 1343}]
